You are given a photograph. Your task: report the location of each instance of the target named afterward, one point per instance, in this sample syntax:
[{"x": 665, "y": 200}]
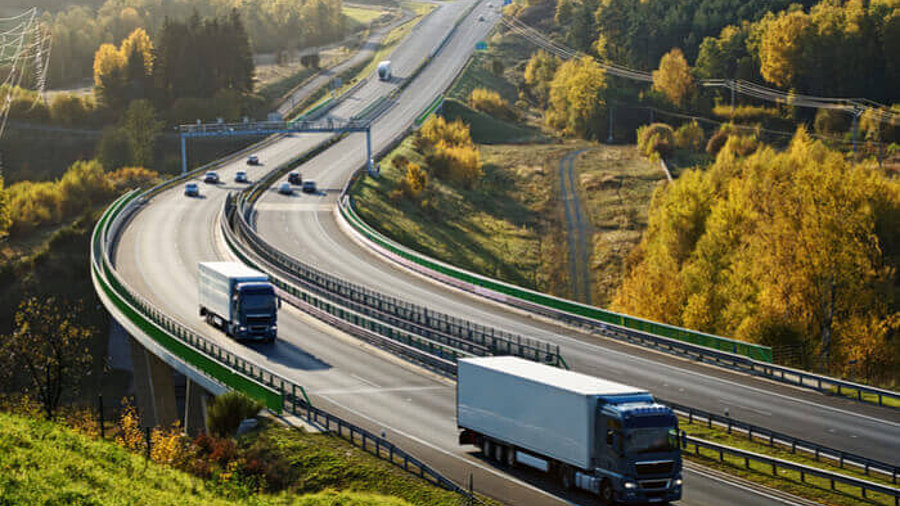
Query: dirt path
[{"x": 579, "y": 229}]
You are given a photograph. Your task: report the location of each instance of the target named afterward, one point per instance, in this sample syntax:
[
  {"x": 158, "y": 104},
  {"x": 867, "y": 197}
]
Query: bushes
[
  {"x": 490, "y": 102},
  {"x": 132, "y": 177},
  {"x": 689, "y": 136},
  {"x": 415, "y": 181},
  {"x": 225, "y": 414},
  {"x": 449, "y": 151},
  {"x": 655, "y": 140},
  {"x": 37, "y": 203}
]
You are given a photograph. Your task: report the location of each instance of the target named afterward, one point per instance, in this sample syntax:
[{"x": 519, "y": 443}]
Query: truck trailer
[
  {"x": 239, "y": 300},
  {"x": 384, "y": 70},
  {"x": 603, "y": 437}
]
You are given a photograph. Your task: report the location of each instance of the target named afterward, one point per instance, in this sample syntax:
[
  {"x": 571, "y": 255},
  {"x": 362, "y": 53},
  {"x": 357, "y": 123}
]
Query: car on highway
[
  {"x": 192, "y": 190},
  {"x": 286, "y": 188},
  {"x": 295, "y": 178},
  {"x": 252, "y": 160},
  {"x": 309, "y": 186},
  {"x": 211, "y": 178},
  {"x": 240, "y": 177},
  {"x": 480, "y": 18}
]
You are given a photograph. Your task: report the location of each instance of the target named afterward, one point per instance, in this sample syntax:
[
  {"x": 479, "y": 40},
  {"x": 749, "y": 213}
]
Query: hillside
[{"x": 46, "y": 463}]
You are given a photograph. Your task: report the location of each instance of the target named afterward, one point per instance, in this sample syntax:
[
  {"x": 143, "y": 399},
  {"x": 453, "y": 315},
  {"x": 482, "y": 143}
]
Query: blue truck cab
[{"x": 639, "y": 454}]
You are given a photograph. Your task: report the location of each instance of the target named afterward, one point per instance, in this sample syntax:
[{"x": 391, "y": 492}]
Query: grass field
[
  {"x": 47, "y": 463},
  {"x": 507, "y": 227},
  {"x": 361, "y": 15},
  {"x": 616, "y": 185}
]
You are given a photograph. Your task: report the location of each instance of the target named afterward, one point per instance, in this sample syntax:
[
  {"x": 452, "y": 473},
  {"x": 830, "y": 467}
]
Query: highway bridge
[{"x": 158, "y": 248}]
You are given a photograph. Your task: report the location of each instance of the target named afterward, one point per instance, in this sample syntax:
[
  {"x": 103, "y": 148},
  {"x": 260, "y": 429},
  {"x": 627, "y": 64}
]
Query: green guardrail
[
  {"x": 433, "y": 106},
  {"x": 113, "y": 289},
  {"x": 756, "y": 352}
]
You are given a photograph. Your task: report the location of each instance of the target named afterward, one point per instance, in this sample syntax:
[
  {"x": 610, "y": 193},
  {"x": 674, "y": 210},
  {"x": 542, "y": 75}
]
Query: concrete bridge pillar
[
  {"x": 154, "y": 388},
  {"x": 195, "y": 402}
]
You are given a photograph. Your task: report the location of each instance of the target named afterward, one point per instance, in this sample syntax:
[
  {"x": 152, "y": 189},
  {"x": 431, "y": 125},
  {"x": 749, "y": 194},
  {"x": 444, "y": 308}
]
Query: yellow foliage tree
[
  {"x": 673, "y": 78},
  {"x": 490, "y": 102},
  {"x": 781, "y": 48},
  {"x": 415, "y": 181},
  {"x": 780, "y": 248},
  {"x": 139, "y": 42},
  {"x": 108, "y": 60},
  {"x": 575, "y": 97},
  {"x": 539, "y": 72}
]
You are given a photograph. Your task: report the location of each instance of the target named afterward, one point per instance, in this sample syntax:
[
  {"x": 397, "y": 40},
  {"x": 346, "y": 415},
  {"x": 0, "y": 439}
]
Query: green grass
[
  {"x": 852, "y": 393},
  {"x": 46, "y": 463},
  {"x": 507, "y": 227},
  {"x": 489, "y": 130},
  {"x": 616, "y": 185},
  {"x": 362, "y": 15}
]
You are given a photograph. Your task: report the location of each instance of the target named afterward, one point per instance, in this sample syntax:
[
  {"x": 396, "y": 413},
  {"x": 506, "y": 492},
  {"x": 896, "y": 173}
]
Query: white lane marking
[
  {"x": 742, "y": 406},
  {"x": 367, "y": 382},
  {"x": 445, "y": 452},
  {"x": 758, "y": 492},
  {"x": 356, "y": 391}
]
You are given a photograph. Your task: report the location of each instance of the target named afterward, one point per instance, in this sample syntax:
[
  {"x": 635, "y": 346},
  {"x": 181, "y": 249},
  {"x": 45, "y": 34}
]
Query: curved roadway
[
  {"x": 160, "y": 248},
  {"x": 311, "y": 234}
]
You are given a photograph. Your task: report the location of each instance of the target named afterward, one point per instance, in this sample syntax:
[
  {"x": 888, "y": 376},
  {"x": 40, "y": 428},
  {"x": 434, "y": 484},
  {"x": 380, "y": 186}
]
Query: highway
[
  {"x": 160, "y": 248},
  {"x": 309, "y": 231}
]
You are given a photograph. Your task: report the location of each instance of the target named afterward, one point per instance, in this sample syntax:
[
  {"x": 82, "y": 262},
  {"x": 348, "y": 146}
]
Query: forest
[{"x": 272, "y": 26}]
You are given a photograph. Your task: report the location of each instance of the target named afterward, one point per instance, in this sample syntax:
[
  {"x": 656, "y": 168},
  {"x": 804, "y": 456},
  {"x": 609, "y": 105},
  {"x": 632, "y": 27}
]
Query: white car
[
  {"x": 240, "y": 177},
  {"x": 252, "y": 160},
  {"x": 211, "y": 177}
]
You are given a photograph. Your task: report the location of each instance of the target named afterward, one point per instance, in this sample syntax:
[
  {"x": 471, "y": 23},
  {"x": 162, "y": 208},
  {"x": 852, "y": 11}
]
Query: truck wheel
[
  {"x": 510, "y": 456},
  {"x": 606, "y": 492},
  {"x": 566, "y": 477}
]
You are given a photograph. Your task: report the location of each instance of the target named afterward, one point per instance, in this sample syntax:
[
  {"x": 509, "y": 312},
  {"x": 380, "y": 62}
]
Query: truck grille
[
  {"x": 654, "y": 484},
  {"x": 657, "y": 467},
  {"x": 256, "y": 321}
]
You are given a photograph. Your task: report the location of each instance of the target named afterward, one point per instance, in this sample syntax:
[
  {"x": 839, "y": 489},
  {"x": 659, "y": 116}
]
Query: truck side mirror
[
  {"x": 609, "y": 438},
  {"x": 279, "y": 302},
  {"x": 683, "y": 439}
]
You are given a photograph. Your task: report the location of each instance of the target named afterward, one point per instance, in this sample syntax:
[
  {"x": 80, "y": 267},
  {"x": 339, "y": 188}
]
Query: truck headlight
[
  {"x": 630, "y": 485},
  {"x": 678, "y": 482},
  {"x": 274, "y": 327},
  {"x": 242, "y": 328}
]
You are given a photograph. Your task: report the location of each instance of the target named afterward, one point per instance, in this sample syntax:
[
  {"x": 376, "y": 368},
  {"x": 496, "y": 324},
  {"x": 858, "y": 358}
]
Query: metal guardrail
[
  {"x": 221, "y": 365},
  {"x": 817, "y": 451},
  {"x": 541, "y": 303},
  {"x": 865, "y": 487}
]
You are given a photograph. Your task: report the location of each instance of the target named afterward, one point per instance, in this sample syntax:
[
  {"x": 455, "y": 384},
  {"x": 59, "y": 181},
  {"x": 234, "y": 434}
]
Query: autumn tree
[
  {"x": 539, "y": 72},
  {"x": 109, "y": 75},
  {"x": 415, "y": 181},
  {"x": 5, "y": 213},
  {"x": 141, "y": 129},
  {"x": 673, "y": 78},
  {"x": 48, "y": 349},
  {"x": 576, "y": 103},
  {"x": 790, "y": 248}
]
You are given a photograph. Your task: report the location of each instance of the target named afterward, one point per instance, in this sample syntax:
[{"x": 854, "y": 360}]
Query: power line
[{"x": 853, "y": 106}]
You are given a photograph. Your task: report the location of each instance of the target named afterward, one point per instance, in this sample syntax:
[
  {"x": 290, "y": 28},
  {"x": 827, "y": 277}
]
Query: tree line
[
  {"x": 272, "y": 26},
  {"x": 795, "y": 248}
]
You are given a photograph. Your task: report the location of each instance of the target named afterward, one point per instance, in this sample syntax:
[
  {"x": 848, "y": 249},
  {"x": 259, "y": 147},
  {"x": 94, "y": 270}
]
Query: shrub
[
  {"x": 436, "y": 129},
  {"x": 716, "y": 142},
  {"x": 689, "y": 136},
  {"x": 460, "y": 164},
  {"x": 746, "y": 112},
  {"x": 82, "y": 186},
  {"x": 831, "y": 122},
  {"x": 415, "y": 181},
  {"x": 228, "y": 410},
  {"x": 656, "y": 139},
  {"x": 490, "y": 102},
  {"x": 132, "y": 177},
  {"x": 69, "y": 109},
  {"x": 113, "y": 150}
]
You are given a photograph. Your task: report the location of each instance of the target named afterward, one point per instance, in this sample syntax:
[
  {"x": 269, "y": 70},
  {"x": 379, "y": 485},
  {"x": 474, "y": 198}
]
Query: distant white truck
[
  {"x": 239, "y": 300},
  {"x": 384, "y": 70},
  {"x": 604, "y": 437}
]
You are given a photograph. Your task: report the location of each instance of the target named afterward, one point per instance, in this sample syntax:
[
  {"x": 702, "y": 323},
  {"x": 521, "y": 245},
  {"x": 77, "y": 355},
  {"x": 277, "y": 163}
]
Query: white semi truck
[
  {"x": 239, "y": 300},
  {"x": 384, "y": 70},
  {"x": 604, "y": 437}
]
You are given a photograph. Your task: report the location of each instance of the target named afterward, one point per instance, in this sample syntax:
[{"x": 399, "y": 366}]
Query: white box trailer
[
  {"x": 240, "y": 299},
  {"x": 598, "y": 435}
]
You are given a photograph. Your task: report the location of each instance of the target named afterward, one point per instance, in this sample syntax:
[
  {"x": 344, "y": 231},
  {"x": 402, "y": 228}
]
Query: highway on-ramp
[{"x": 159, "y": 249}]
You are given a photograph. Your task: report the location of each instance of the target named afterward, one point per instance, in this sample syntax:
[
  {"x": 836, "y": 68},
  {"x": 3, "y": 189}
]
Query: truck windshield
[
  {"x": 258, "y": 302},
  {"x": 652, "y": 439}
]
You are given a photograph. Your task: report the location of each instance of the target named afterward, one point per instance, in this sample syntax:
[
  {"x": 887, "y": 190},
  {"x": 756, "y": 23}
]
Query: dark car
[
  {"x": 309, "y": 187},
  {"x": 240, "y": 177},
  {"x": 192, "y": 190},
  {"x": 211, "y": 177},
  {"x": 252, "y": 160},
  {"x": 295, "y": 178}
]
